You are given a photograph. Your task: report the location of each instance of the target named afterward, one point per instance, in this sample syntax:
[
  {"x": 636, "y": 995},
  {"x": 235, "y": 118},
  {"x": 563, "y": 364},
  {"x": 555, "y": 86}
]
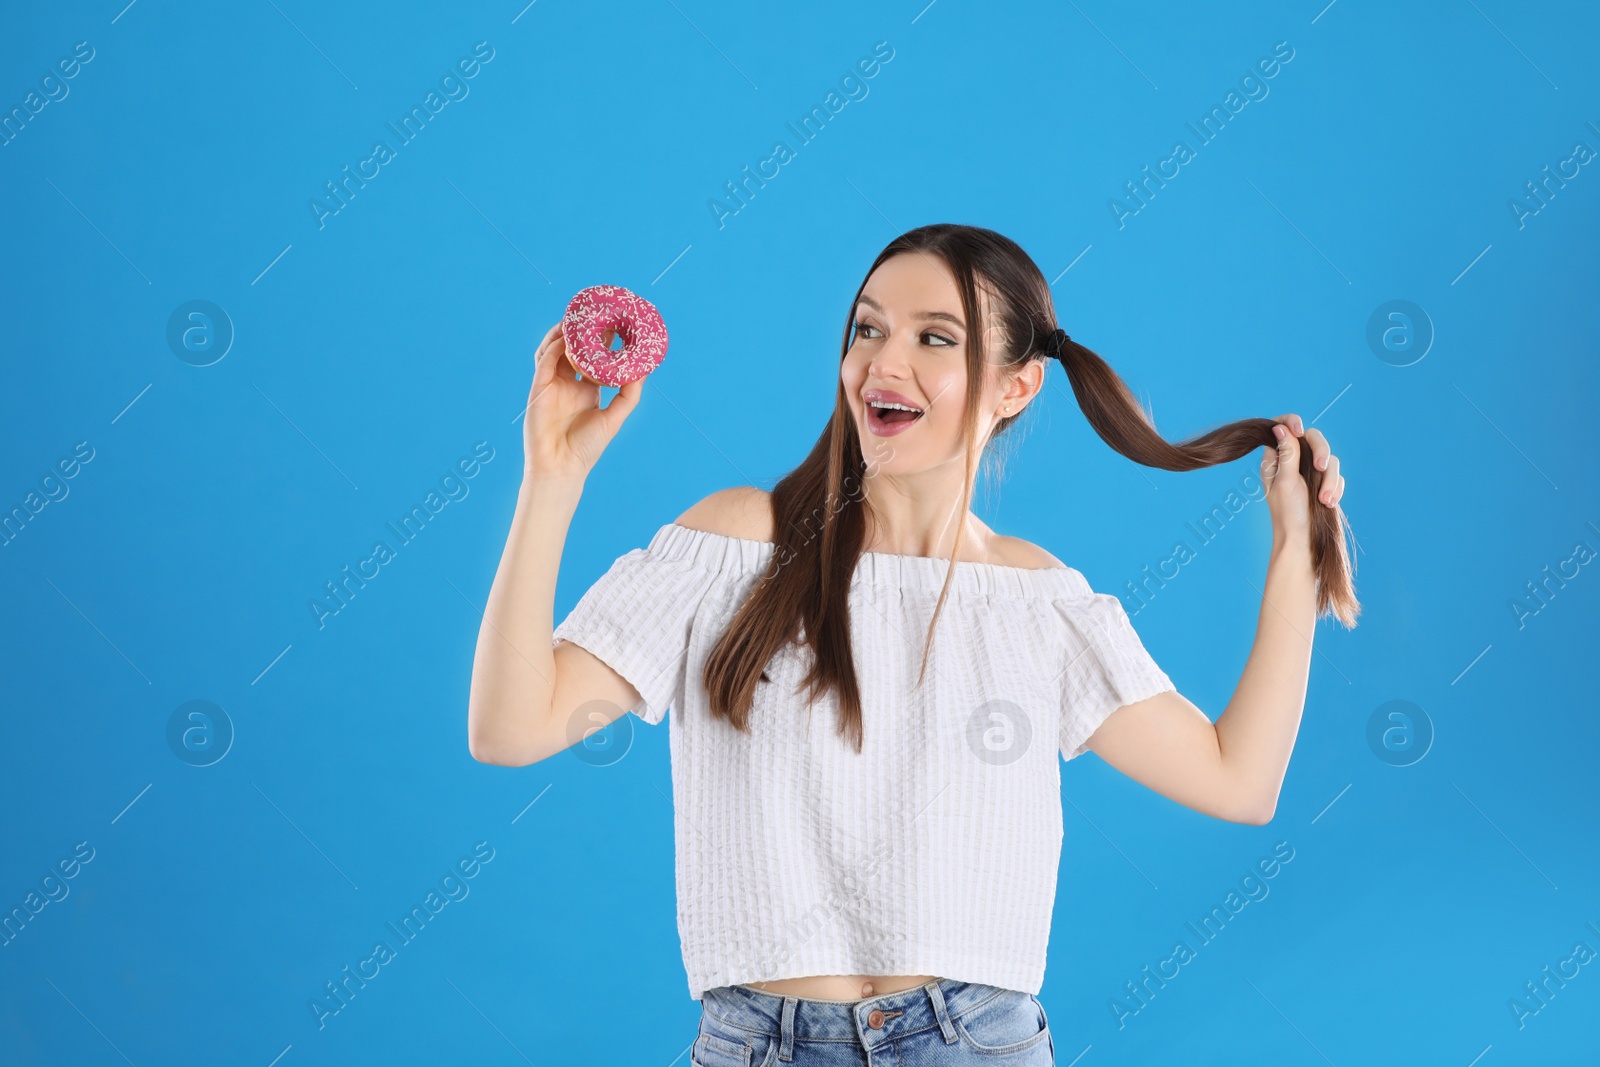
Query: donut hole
[{"x": 616, "y": 341}]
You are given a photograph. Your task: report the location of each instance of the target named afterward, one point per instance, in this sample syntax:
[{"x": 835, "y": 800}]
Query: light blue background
[{"x": 373, "y": 352}]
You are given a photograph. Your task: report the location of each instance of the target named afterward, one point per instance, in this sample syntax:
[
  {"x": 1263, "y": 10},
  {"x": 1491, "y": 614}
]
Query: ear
[{"x": 1024, "y": 385}]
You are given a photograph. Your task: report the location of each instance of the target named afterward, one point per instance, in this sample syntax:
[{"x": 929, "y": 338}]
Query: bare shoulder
[
  {"x": 1015, "y": 552},
  {"x": 741, "y": 511}
]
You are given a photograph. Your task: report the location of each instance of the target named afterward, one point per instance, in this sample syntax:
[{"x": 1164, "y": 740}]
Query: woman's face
[{"x": 909, "y": 347}]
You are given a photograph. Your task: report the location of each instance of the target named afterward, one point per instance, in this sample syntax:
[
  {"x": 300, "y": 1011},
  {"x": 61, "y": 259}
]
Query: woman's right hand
[{"x": 565, "y": 429}]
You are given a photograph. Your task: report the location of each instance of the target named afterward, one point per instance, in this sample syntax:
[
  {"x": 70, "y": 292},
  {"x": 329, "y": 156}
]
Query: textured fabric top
[{"x": 932, "y": 851}]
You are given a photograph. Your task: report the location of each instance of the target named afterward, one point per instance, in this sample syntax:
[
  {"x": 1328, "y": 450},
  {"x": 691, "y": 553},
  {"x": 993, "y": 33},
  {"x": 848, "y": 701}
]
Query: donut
[{"x": 600, "y": 308}]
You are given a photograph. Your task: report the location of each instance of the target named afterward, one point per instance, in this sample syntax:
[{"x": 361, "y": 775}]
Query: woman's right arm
[{"x": 525, "y": 695}]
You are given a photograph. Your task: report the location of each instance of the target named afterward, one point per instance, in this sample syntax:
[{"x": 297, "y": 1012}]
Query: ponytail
[{"x": 1114, "y": 412}]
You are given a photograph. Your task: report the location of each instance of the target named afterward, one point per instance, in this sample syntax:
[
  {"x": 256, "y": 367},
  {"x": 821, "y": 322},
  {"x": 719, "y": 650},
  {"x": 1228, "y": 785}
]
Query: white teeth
[{"x": 896, "y": 407}]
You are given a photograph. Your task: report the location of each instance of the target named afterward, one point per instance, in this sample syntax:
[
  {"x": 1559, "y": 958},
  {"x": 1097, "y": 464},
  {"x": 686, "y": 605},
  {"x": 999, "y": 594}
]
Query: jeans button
[{"x": 875, "y": 1019}]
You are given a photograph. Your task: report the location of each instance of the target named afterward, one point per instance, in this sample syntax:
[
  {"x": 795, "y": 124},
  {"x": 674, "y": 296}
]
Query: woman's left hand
[{"x": 1286, "y": 497}]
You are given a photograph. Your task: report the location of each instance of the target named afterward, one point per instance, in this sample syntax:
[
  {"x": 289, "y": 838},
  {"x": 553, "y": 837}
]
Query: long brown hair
[{"x": 820, "y": 522}]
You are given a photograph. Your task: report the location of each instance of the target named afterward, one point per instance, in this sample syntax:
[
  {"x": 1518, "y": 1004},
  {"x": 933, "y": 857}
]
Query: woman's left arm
[{"x": 1234, "y": 768}]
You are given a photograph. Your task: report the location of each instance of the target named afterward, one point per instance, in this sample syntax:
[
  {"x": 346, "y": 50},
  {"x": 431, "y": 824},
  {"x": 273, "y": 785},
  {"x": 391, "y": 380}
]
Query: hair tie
[{"x": 1054, "y": 344}]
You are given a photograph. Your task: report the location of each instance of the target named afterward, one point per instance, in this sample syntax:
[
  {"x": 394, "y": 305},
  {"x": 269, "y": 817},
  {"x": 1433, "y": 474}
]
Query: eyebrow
[{"x": 867, "y": 300}]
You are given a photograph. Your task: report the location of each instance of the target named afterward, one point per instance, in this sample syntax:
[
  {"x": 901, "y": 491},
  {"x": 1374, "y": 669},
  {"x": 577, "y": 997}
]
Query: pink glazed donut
[{"x": 611, "y": 307}]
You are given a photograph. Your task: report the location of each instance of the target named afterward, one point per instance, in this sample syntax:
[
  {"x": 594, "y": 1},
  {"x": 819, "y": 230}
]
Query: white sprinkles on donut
[{"x": 611, "y": 307}]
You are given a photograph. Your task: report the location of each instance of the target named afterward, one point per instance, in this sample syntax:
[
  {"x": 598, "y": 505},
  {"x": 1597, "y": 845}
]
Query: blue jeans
[{"x": 943, "y": 1022}]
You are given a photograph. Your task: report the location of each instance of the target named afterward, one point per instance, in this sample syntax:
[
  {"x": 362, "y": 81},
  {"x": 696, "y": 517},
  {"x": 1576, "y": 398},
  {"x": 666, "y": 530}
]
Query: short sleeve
[
  {"x": 638, "y": 616},
  {"x": 1104, "y": 666}
]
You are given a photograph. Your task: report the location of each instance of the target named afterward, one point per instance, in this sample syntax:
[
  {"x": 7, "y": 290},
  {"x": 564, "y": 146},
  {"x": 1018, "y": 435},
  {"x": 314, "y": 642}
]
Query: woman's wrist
[
  {"x": 1292, "y": 548},
  {"x": 550, "y": 489}
]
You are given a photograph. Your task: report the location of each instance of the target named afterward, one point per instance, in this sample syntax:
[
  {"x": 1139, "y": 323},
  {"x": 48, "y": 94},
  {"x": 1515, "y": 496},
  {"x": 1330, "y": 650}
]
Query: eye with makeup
[{"x": 859, "y": 326}]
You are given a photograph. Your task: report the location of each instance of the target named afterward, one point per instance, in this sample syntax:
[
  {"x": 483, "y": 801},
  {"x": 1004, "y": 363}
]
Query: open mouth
[{"x": 894, "y": 414}]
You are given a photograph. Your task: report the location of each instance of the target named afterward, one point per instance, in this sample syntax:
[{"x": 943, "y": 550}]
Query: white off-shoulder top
[{"x": 932, "y": 851}]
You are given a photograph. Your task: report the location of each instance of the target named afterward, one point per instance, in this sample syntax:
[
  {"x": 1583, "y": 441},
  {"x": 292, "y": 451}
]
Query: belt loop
[
  {"x": 786, "y": 1045},
  {"x": 945, "y": 1026}
]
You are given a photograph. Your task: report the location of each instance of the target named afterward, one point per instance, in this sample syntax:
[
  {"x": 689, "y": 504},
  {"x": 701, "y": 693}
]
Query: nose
[{"x": 888, "y": 362}]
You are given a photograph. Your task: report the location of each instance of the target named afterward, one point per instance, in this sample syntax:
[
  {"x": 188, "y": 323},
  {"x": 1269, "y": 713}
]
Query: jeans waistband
[{"x": 897, "y": 1014}]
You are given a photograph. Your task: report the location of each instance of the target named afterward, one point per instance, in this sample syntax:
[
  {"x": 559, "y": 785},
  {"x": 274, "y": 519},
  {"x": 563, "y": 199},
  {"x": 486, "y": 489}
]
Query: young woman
[{"x": 872, "y": 689}]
